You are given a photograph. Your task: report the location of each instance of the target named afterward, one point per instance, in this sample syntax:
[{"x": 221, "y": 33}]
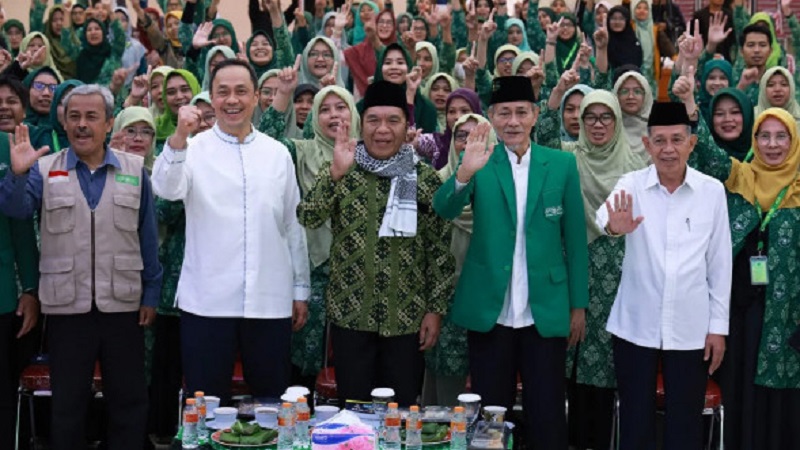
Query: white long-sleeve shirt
[
  {"x": 677, "y": 271},
  {"x": 246, "y": 253}
]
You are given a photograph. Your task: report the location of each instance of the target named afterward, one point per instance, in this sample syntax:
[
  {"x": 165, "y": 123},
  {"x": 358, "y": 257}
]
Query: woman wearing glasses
[
  {"x": 760, "y": 373},
  {"x": 41, "y": 85},
  {"x": 635, "y": 100},
  {"x": 134, "y": 132},
  {"x": 320, "y": 58},
  {"x": 604, "y": 156}
]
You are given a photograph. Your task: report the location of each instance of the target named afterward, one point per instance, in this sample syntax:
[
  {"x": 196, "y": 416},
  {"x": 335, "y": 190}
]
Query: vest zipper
[{"x": 94, "y": 297}]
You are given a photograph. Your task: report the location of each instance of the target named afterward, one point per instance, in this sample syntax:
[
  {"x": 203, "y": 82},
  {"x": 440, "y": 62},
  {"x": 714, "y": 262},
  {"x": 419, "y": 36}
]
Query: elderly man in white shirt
[
  {"x": 673, "y": 299},
  {"x": 245, "y": 274}
]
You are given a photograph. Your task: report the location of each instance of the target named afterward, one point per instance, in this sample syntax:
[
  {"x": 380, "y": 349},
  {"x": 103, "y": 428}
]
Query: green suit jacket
[
  {"x": 555, "y": 241},
  {"x": 18, "y": 251}
]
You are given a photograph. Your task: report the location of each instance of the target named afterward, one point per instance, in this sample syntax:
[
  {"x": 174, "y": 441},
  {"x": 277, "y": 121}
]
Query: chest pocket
[
  {"x": 126, "y": 212},
  {"x": 60, "y": 214},
  {"x": 552, "y": 205}
]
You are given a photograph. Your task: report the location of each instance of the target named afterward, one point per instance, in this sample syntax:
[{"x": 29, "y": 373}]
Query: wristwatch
[{"x": 608, "y": 232}]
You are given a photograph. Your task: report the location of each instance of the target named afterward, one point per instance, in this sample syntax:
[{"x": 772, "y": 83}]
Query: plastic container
[
  {"x": 302, "y": 419},
  {"x": 458, "y": 429},
  {"x": 413, "y": 429},
  {"x": 392, "y": 428},
  {"x": 286, "y": 427},
  {"x": 202, "y": 413},
  {"x": 190, "y": 417}
]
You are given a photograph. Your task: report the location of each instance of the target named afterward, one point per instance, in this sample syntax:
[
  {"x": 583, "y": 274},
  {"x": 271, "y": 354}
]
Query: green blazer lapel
[
  {"x": 506, "y": 178},
  {"x": 537, "y": 174}
]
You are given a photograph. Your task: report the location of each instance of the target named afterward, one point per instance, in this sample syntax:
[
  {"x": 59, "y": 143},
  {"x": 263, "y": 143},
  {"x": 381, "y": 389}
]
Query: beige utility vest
[{"x": 90, "y": 255}]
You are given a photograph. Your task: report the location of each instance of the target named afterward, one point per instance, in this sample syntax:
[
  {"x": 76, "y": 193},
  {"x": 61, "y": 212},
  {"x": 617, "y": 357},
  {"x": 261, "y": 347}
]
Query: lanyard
[
  {"x": 766, "y": 218},
  {"x": 56, "y": 144},
  {"x": 749, "y": 156},
  {"x": 571, "y": 53}
]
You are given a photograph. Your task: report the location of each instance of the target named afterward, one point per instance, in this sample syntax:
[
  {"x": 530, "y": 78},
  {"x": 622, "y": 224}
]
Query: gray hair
[
  {"x": 93, "y": 89},
  {"x": 688, "y": 130}
]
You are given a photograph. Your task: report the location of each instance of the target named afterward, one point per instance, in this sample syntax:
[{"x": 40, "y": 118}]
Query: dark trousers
[
  {"x": 495, "y": 359},
  {"x": 364, "y": 360},
  {"x": 209, "y": 346},
  {"x": 685, "y": 377},
  {"x": 76, "y": 342},
  {"x": 15, "y": 355},
  {"x": 166, "y": 377}
]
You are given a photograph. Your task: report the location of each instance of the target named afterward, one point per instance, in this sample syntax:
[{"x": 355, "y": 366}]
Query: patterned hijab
[{"x": 791, "y": 105}]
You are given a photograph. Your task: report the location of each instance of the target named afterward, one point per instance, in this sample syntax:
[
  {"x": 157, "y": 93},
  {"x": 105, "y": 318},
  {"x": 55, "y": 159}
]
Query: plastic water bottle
[
  {"x": 458, "y": 429},
  {"x": 286, "y": 427},
  {"x": 200, "y": 403},
  {"x": 302, "y": 417},
  {"x": 413, "y": 429},
  {"x": 392, "y": 427},
  {"x": 189, "y": 436}
]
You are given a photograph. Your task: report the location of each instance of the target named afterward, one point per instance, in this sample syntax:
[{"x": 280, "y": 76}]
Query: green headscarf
[
  {"x": 401, "y": 17},
  {"x": 32, "y": 117},
  {"x": 13, "y": 23},
  {"x": 502, "y": 49},
  {"x": 791, "y": 104},
  {"x": 601, "y": 166},
  {"x": 430, "y": 48},
  {"x": 228, "y": 26},
  {"x": 774, "y": 57},
  {"x": 644, "y": 32},
  {"x": 567, "y": 51},
  {"x": 739, "y": 147},
  {"x": 306, "y": 77},
  {"x": 201, "y": 97},
  {"x": 163, "y": 71},
  {"x": 61, "y": 58},
  {"x": 260, "y": 70},
  {"x": 58, "y": 138},
  {"x": 441, "y": 116},
  {"x": 550, "y": 13},
  {"x": 48, "y": 60},
  {"x": 168, "y": 121},
  {"x": 311, "y": 156},
  {"x": 130, "y": 116},
  {"x": 514, "y": 22},
  {"x": 703, "y": 97},
  {"x": 225, "y": 50},
  {"x": 258, "y": 113},
  {"x": 636, "y": 124},
  {"x": 358, "y": 30},
  {"x": 521, "y": 58},
  {"x": 92, "y": 57}
]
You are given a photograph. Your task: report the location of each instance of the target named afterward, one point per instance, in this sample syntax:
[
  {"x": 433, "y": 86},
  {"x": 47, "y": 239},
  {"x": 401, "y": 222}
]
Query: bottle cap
[
  {"x": 458, "y": 409},
  {"x": 302, "y": 400},
  {"x": 287, "y": 405},
  {"x": 190, "y": 401},
  {"x": 199, "y": 394},
  {"x": 469, "y": 398},
  {"x": 392, "y": 405},
  {"x": 414, "y": 408}
]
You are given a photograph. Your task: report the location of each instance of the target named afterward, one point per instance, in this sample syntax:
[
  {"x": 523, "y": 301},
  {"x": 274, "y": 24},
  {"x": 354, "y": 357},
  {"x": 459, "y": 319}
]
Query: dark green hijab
[
  {"x": 261, "y": 70},
  {"x": 13, "y": 23},
  {"x": 32, "y": 117},
  {"x": 550, "y": 13},
  {"x": 739, "y": 147},
  {"x": 567, "y": 51},
  {"x": 228, "y": 26},
  {"x": 425, "y": 115},
  {"x": 92, "y": 57},
  {"x": 58, "y": 138},
  {"x": 703, "y": 97}
]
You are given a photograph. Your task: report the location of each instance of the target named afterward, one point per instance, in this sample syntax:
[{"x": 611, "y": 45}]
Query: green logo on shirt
[{"x": 127, "y": 179}]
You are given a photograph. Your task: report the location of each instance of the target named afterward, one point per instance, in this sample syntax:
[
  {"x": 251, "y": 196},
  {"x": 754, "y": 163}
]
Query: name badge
[
  {"x": 759, "y": 274},
  {"x": 127, "y": 179},
  {"x": 553, "y": 211}
]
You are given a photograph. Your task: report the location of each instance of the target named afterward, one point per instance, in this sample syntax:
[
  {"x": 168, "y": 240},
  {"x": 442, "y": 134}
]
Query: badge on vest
[
  {"x": 127, "y": 179},
  {"x": 553, "y": 211},
  {"x": 57, "y": 176}
]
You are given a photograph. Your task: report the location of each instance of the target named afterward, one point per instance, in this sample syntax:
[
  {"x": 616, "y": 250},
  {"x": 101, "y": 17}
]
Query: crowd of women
[{"x": 611, "y": 60}]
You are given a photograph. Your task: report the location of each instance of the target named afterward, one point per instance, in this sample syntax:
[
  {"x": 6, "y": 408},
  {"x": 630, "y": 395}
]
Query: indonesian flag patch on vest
[{"x": 57, "y": 176}]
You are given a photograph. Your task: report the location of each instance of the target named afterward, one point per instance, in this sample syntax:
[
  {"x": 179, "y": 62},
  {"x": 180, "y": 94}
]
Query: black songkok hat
[
  {"x": 668, "y": 113},
  {"x": 303, "y": 89},
  {"x": 512, "y": 89},
  {"x": 385, "y": 93}
]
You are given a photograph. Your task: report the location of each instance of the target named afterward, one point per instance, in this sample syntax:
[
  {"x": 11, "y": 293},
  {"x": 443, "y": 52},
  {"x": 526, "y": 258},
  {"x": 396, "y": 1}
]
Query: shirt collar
[
  {"x": 231, "y": 139},
  {"x": 690, "y": 180},
  {"x": 512, "y": 156},
  {"x": 110, "y": 159}
]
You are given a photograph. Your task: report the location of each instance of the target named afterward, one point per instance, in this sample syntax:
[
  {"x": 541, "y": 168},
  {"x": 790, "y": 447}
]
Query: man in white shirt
[
  {"x": 672, "y": 303},
  {"x": 245, "y": 274}
]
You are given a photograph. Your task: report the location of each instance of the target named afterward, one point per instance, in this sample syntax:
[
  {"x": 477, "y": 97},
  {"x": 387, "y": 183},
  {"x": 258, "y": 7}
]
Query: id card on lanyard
[{"x": 759, "y": 272}]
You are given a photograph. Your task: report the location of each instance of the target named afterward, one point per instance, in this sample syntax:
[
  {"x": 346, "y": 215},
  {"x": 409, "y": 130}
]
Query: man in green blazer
[{"x": 524, "y": 284}]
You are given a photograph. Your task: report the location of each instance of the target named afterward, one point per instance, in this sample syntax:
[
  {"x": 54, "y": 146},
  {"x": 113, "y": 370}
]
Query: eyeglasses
[
  {"x": 766, "y": 138},
  {"x": 567, "y": 24},
  {"x": 385, "y": 22},
  {"x": 323, "y": 55},
  {"x": 210, "y": 118},
  {"x": 662, "y": 142},
  {"x": 637, "y": 92},
  {"x": 220, "y": 35},
  {"x": 509, "y": 60},
  {"x": 268, "y": 91},
  {"x": 605, "y": 119},
  {"x": 461, "y": 136},
  {"x": 39, "y": 86},
  {"x": 144, "y": 133}
]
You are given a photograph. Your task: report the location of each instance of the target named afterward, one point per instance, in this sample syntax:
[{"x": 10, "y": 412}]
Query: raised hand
[
  {"x": 683, "y": 88},
  {"x": 471, "y": 18},
  {"x": 568, "y": 79},
  {"x": 786, "y": 8},
  {"x": 118, "y": 78},
  {"x": 118, "y": 140},
  {"x": 536, "y": 75},
  {"x": 201, "y": 36},
  {"x": 288, "y": 76},
  {"x": 601, "y": 37},
  {"x": 189, "y": 118},
  {"x": 552, "y": 30},
  {"x": 413, "y": 80},
  {"x": 330, "y": 78},
  {"x": 5, "y": 58},
  {"x": 584, "y": 54},
  {"x": 476, "y": 153},
  {"x": 471, "y": 64},
  {"x": 412, "y": 136},
  {"x": 139, "y": 85},
  {"x": 242, "y": 55},
  {"x": 344, "y": 153},
  {"x": 446, "y": 18},
  {"x": 38, "y": 57},
  {"x": 300, "y": 18},
  {"x": 408, "y": 40},
  {"x": 273, "y": 6},
  {"x": 340, "y": 21},
  {"x": 620, "y": 218},
  {"x": 23, "y": 155},
  {"x": 716, "y": 29},
  {"x": 749, "y": 76},
  {"x": 489, "y": 27}
]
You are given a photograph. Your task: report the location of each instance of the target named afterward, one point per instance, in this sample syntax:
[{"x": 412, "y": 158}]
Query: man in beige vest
[{"x": 100, "y": 276}]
